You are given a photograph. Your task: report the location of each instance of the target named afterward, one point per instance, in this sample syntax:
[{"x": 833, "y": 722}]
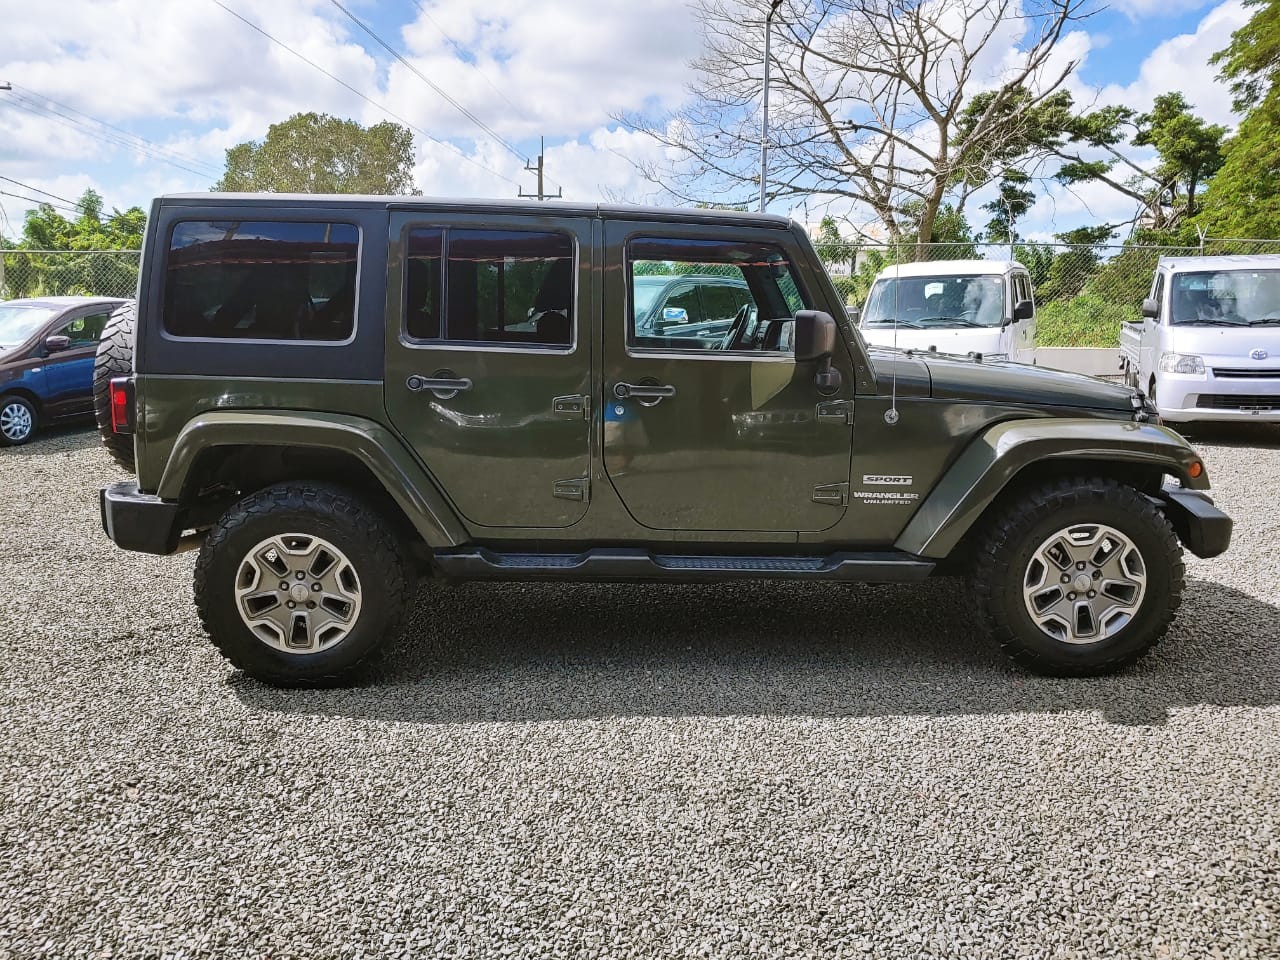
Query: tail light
[{"x": 121, "y": 395}]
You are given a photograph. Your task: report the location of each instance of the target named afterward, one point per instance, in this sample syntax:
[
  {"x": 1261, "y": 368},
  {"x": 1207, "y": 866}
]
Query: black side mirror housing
[
  {"x": 1024, "y": 310},
  {"x": 1151, "y": 308},
  {"x": 56, "y": 343},
  {"x": 815, "y": 335}
]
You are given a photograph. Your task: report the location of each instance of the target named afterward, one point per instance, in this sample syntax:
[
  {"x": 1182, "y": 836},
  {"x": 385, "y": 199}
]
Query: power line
[
  {"x": 38, "y": 203},
  {"x": 366, "y": 99},
  {"x": 169, "y": 151},
  {"x": 423, "y": 77},
  {"x": 36, "y": 109},
  {"x": 27, "y": 186}
]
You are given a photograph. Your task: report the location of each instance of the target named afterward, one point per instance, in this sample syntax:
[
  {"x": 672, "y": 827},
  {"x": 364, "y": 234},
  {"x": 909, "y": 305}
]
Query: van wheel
[
  {"x": 18, "y": 420},
  {"x": 298, "y": 584},
  {"x": 1079, "y": 577},
  {"x": 114, "y": 359}
]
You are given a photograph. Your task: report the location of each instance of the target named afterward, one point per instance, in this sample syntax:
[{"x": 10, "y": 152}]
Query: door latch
[
  {"x": 835, "y": 411},
  {"x": 832, "y": 494},
  {"x": 577, "y": 489},
  {"x": 576, "y": 406}
]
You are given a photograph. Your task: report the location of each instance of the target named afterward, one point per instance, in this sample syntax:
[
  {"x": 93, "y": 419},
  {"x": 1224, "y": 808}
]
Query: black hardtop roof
[{"x": 612, "y": 211}]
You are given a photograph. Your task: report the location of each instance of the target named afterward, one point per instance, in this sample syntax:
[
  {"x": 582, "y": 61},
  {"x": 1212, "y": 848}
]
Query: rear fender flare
[
  {"x": 375, "y": 446},
  {"x": 991, "y": 461}
]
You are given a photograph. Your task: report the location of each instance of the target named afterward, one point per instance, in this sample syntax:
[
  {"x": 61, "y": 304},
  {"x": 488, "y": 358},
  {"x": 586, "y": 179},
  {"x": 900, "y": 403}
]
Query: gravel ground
[{"x": 563, "y": 771}]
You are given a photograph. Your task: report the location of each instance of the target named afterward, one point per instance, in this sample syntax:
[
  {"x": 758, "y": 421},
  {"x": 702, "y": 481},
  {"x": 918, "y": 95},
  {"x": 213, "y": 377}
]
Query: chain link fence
[
  {"x": 1083, "y": 292},
  {"x": 60, "y": 273}
]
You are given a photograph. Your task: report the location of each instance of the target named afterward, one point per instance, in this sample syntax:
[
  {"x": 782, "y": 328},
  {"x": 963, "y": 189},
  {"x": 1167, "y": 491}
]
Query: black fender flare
[{"x": 992, "y": 460}]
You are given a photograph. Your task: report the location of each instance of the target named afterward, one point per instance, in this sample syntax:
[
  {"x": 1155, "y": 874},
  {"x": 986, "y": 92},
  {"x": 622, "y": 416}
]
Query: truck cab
[
  {"x": 1208, "y": 344},
  {"x": 332, "y": 398},
  {"x": 954, "y": 306}
]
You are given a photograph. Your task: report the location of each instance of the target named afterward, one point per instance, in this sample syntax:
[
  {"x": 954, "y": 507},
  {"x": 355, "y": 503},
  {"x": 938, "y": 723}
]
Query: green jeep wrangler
[{"x": 332, "y": 397}]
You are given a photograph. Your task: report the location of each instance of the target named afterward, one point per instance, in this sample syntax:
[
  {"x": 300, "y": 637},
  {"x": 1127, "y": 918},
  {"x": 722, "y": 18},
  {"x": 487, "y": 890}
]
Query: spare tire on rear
[{"x": 115, "y": 359}]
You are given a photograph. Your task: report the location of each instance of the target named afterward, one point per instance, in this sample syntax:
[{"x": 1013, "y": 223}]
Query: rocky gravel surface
[{"x": 567, "y": 771}]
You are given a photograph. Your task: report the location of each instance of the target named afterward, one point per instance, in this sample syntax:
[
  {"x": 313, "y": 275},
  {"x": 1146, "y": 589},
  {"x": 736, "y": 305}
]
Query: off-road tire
[
  {"x": 1022, "y": 523},
  {"x": 16, "y": 400},
  {"x": 114, "y": 359},
  {"x": 372, "y": 544}
]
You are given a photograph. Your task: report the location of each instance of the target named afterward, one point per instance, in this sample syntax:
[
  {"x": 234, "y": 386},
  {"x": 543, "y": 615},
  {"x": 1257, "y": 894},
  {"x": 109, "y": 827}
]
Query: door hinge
[
  {"x": 576, "y": 406},
  {"x": 579, "y": 489},
  {"x": 834, "y": 494},
  {"x": 835, "y": 411}
]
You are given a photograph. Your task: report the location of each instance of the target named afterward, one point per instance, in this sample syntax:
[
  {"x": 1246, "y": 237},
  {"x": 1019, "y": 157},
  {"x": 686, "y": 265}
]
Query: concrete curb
[{"x": 1094, "y": 361}]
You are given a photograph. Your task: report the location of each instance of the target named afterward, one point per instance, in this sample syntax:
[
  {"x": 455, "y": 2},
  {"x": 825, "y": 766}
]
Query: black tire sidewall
[
  {"x": 381, "y": 589},
  {"x": 114, "y": 358},
  {"x": 35, "y": 419},
  {"x": 1135, "y": 637}
]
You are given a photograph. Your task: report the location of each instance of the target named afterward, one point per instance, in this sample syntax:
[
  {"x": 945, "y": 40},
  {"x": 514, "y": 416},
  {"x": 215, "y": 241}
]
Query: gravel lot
[{"x": 562, "y": 771}]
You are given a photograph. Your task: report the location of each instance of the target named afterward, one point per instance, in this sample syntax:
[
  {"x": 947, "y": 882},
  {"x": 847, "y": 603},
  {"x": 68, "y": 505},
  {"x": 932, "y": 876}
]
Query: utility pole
[
  {"x": 764, "y": 101},
  {"x": 538, "y": 168}
]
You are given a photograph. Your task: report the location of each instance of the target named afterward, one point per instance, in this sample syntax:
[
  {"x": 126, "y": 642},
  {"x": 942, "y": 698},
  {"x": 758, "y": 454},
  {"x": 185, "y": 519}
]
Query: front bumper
[
  {"x": 1203, "y": 528},
  {"x": 139, "y": 521},
  {"x": 1184, "y": 397}
]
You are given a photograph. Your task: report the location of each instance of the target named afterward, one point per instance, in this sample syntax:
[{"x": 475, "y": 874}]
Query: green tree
[
  {"x": 1243, "y": 200},
  {"x": 317, "y": 153},
  {"x": 1011, "y": 203}
]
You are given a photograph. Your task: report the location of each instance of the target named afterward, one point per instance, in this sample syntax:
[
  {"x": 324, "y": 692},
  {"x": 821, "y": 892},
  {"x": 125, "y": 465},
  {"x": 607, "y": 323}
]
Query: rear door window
[
  {"x": 85, "y": 331},
  {"x": 262, "y": 280}
]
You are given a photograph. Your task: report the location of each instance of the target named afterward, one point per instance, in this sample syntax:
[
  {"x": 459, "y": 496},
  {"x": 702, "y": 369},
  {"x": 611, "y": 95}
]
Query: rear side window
[
  {"x": 262, "y": 280},
  {"x": 511, "y": 287}
]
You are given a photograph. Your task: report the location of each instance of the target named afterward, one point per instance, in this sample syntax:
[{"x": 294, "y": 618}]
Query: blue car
[{"x": 47, "y": 349}]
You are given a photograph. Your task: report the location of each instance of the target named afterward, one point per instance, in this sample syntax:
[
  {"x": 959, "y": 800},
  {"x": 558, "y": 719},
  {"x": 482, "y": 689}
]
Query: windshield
[
  {"x": 973, "y": 301},
  {"x": 19, "y": 321},
  {"x": 1224, "y": 298}
]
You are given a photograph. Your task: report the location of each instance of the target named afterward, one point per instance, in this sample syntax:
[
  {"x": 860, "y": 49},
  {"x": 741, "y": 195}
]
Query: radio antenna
[{"x": 891, "y": 415}]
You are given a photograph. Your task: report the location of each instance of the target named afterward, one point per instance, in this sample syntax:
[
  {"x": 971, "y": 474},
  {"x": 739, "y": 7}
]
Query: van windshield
[
  {"x": 936, "y": 301},
  {"x": 1225, "y": 298}
]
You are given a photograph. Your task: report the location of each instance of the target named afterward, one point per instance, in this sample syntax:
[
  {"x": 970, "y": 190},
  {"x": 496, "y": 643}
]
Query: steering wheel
[{"x": 733, "y": 337}]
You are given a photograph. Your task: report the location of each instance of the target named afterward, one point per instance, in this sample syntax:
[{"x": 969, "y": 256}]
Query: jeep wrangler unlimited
[{"x": 333, "y": 396}]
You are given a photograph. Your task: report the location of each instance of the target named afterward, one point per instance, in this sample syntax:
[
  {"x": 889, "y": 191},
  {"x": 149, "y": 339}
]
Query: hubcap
[
  {"x": 298, "y": 593},
  {"x": 15, "y": 421},
  {"x": 1085, "y": 583}
]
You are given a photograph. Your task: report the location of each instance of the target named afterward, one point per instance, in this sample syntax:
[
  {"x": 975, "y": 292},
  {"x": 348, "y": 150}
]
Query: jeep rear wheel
[
  {"x": 298, "y": 584},
  {"x": 1079, "y": 577},
  {"x": 114, "y": 359}
]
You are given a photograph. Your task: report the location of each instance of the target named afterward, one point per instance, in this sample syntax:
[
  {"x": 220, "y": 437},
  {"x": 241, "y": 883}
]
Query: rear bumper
[
  {"x": 139, "y": 521},
  {"x": 1203, "y": 528}
]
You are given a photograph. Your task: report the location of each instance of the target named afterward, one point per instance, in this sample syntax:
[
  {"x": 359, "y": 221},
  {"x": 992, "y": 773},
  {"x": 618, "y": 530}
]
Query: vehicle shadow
[
  {"x": 1232, "y": 434},
  {"x": 57, "y": 440},
  {"x": 521, "y": 652}
]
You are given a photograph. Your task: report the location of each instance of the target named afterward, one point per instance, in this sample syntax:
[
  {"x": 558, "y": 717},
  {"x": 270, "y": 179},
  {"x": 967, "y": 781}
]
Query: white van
[
  {"x": 1208, "y": 345},
  {"x": 955, "y": 306}
]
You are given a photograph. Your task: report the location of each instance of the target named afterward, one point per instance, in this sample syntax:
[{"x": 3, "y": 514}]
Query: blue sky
[{"x": 193, "y": 79}]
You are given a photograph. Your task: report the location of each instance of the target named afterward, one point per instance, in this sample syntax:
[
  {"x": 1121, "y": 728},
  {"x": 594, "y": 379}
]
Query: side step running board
[{"x": 606, "y": 563}]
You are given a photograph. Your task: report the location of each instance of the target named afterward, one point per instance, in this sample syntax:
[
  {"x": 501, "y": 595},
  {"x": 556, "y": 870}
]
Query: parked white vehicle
[
  {"x": 955, "y": 306},
  {"x": 1208, "y": 346}
]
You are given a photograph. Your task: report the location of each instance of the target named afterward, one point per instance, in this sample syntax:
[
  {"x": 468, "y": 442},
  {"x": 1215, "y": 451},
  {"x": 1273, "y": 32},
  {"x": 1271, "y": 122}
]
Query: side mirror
[
  {"x": 814, "y": 335},
  {"x": 854, "y": 314},
  {"x": 1151, "y": 308},
  {"x": 1024, "y": 310},
  {"x": 672, "y": 317},
  {"x": 56, "y": 343}
]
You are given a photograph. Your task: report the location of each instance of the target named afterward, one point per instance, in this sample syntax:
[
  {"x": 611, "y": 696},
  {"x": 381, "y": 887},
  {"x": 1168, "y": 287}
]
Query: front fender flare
[
  {"x": 987, "y": 465},
  {"x": 375, "y": 446}
]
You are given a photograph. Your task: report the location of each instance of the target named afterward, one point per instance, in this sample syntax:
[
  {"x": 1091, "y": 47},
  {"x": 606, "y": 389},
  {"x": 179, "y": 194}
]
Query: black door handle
[
  {"x": 442, "y": 387},
  {"x": 642, "y": 391}
]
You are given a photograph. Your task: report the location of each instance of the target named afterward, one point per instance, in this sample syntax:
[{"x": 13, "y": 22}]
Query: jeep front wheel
[
  {"x": 1078, "y": 578},
  {"x": 298, "y": 584}
]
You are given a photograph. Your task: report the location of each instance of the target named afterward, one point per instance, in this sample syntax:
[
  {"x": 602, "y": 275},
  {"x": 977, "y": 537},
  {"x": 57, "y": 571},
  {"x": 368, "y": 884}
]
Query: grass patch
[{"x": 1082, "y": 321}]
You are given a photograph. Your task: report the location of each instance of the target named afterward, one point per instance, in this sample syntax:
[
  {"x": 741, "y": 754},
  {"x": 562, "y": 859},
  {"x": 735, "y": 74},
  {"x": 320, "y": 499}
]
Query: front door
[
  {"x": 489, "y": 361},
  {"x": 69, "y": 372},
  {"x": 718, "y": 429}
]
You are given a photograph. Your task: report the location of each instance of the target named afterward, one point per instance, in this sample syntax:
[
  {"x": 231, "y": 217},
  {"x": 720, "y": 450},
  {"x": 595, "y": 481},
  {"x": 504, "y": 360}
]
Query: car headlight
[{"x": 1181, "y": 363}]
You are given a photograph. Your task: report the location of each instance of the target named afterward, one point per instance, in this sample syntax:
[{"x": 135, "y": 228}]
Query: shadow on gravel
[
  {"x": 59, "y": 440},
  {"x": 555, "y": 652},
  {"x": 1257, "y": 435}
]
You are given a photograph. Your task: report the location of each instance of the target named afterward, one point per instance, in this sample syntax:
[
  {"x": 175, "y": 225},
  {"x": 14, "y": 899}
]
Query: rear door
[
  {"x": 489, "y": 360},
  {"x": 720, "y": 433}
]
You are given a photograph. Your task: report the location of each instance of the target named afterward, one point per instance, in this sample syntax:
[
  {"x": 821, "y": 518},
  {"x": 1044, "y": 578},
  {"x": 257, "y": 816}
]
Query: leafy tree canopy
[
  {"x": 46, "y": 229},
  {"x": 317, "y": 153}
]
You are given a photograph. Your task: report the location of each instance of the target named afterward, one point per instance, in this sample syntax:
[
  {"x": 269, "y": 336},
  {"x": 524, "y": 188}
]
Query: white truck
[
  {"x": 1208, "y": 344},
  {"x": 954, "y": 306}
]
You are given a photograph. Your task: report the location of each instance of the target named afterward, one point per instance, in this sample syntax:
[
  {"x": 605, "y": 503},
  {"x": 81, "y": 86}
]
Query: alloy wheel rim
[
  {"x": 1084, "y": 584},
  {"x": 15, "y": 421},
  {"x": 298, "y": 593}
]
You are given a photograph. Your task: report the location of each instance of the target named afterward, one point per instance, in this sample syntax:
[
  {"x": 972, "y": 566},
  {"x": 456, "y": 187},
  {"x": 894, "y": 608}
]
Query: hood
[
  {"x": 1228, "y": 346},
  {"x": 959, "y": 378},
  {"x": 960, "y": 340}
]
